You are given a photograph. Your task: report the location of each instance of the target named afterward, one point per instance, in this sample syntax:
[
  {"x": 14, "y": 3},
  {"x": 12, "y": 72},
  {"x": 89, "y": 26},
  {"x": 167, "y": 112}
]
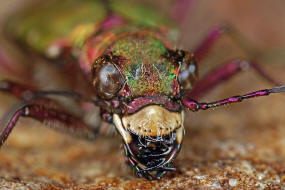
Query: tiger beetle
[{"x": 120, "y": 57}]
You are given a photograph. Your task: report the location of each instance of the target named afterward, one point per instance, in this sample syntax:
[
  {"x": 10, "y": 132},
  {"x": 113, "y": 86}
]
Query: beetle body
[
  {"x": 130, "y": 64},
  {"x": 130, "y": 70}
]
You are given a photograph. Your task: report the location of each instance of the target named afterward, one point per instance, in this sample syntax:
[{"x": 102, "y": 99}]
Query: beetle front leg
[
  {"x": 28, "y": 94},
  {"x": 49, "y": 115},
  {"x": 221, "y": 74},
  {"x": 25, "y": 92},
  {"x": 18, "y": 90}
]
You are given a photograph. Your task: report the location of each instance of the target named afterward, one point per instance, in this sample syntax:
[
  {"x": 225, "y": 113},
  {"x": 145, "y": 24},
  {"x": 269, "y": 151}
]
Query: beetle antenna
[
  {"x": 195, "y": 106},
  {"x": 277, "y": 89},
  {"x": 68, "y": 93}
]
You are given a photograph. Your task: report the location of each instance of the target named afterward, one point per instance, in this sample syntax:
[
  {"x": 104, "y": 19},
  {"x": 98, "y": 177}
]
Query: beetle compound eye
[
  {"x": 188, "y": 71},
  {"x": 107, "y": 79}
]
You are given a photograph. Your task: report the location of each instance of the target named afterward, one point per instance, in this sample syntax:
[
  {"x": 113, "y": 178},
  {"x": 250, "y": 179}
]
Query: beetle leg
[
  {"x": 216, "y": 33},
  {"x": 18, "y": 90},
  {"x": 195, "y": 106},
  {"x": 180, "y": 9},
  {"x": 82, "y": 106},
  {"x": 219, "y": 31},
  {"x": 5, "y": 63},
  {"x": 25, "y": 92},
  {"x": 201, "y": 51},
  {"x": 48, "y": 112},
  {"x": 10, "y": 67},
  {"x": 221, "y": 74}
]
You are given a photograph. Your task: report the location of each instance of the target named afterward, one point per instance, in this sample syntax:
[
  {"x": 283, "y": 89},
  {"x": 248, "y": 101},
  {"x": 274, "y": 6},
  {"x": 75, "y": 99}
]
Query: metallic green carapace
[
  {"x": 49, "y": 21},
  {"x": 39, "y": 29}
]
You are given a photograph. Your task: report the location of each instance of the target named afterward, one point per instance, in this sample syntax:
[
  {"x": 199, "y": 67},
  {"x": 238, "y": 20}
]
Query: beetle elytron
[{"x": 118, "y": 56}]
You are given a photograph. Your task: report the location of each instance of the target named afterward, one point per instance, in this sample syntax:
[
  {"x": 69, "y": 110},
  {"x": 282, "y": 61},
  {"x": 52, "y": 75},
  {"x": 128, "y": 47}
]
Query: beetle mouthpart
[
  {"x": 119, "y": 126},
  {"x": 151, "y": 156},
  {"x": 152, "y": 121}
]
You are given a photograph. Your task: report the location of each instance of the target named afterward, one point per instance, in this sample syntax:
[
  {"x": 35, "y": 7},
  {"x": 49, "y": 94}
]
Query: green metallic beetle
[{"x": 119, "y": 56}]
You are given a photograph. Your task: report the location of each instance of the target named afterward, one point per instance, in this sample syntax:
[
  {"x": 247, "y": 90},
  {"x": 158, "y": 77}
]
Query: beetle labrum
[{"x": 138, "y": 80}]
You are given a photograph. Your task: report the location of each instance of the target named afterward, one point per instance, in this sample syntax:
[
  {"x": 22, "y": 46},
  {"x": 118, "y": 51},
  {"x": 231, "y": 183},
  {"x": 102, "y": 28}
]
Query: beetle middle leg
[
  {"x": 221, "y": 74},
  {"x": 216, "y": 33},
  {"x": 233, "y": 67}
]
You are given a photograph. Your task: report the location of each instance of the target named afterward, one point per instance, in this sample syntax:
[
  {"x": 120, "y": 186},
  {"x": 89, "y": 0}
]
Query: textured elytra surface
[{"x": 237, "y": 147}]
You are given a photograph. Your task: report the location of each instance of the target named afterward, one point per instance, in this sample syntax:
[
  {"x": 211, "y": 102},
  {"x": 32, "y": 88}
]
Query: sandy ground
[{"x": 235, "y": 147}]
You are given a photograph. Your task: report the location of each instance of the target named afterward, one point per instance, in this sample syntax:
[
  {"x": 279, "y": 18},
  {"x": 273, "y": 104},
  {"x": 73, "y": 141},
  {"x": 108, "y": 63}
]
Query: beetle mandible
[{"x": 138, "y": 80}]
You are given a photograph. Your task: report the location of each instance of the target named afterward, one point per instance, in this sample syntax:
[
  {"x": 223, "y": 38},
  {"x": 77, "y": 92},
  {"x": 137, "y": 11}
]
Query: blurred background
[{"x": 231, "y": 146}]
